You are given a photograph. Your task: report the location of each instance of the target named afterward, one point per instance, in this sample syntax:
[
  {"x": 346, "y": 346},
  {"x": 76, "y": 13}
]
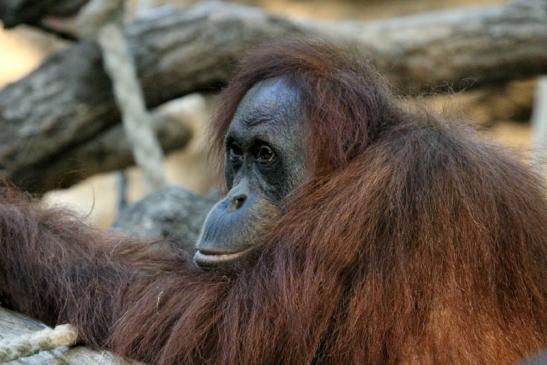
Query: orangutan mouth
[{"x": 209, "y": 258}]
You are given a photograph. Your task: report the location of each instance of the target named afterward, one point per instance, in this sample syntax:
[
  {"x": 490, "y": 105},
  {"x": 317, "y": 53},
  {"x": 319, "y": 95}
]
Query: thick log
[
  {"x": 15, "y": 12},
  {"x": 108, "y": 151},
  {"x": 68, "y": 101}
]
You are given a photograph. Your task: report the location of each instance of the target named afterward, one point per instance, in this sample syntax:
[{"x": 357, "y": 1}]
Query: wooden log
[
  {"x": 15, "y": 12},
  {"x": 67, "y": 101},
  {"x": 108, "y": 151}
]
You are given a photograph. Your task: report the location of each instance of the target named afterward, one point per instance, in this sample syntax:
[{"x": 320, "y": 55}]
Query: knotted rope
[
  {"x": 44, "y": 340},
  {"x": 539, "y": 123},
  {"x": 102, "y": 21}
]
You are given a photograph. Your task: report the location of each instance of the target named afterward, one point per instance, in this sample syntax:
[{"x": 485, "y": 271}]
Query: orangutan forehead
[{"x": 272, "y": 100}]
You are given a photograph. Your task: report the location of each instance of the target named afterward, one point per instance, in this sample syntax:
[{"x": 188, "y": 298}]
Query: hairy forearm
[
  {"x": 49, "y": 268},
  {"x": 58, "y": 269}
]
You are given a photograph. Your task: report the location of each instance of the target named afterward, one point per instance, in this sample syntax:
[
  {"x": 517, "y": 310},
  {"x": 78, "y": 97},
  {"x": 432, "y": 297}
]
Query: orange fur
[{"x": 413, "y": 242}]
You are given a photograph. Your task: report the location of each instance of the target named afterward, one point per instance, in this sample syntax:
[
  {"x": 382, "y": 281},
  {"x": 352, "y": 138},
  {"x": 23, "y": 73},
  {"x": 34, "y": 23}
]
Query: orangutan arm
[{"x": 57, "y": 269}]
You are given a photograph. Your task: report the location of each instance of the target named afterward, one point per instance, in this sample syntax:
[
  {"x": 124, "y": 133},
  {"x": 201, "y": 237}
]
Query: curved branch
[{"x": 68, "y": 100}]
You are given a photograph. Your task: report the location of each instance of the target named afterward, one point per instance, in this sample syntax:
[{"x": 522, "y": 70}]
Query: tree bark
[
  {"x": 109, "y": 150},
  {"x": 68, "y": 101},
  {"x": 15, "y": 12}
]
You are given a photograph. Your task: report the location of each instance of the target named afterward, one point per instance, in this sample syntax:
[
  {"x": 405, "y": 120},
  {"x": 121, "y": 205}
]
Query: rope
[
  {"x": 44, "y": 340},
  {"x": 102, "y": 21},
  {"x": 539, "y": 122},
  {"x": 144, "y": 5}
]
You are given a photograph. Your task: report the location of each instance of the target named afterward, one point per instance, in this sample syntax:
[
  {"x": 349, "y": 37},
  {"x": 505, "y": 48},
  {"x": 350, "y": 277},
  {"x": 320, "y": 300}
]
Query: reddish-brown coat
[{"x": 412, "y": 242}]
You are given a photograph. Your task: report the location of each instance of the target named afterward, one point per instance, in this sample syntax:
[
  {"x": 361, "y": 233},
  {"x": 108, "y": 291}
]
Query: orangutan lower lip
[{"x": 207, "y": 259}]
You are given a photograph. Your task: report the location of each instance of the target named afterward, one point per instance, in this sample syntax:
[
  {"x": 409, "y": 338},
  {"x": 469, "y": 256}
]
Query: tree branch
[
  {"x": 32, "y": 12},
  {"x": 110, "y": 150},
  {"x": 68, "y": 100}
]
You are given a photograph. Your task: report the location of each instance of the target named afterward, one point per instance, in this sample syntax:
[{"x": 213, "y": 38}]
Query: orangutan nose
[{"x": 237, "y": 201}]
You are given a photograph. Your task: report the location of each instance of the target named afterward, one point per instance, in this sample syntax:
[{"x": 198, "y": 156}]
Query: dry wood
[
  {"x": 109, "y": 150},
  {"x": 68, "y": 101},
  {"x": 15, "y": 12}
]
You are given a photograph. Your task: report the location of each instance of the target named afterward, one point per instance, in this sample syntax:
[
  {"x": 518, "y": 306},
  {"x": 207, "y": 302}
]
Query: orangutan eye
[
  {"x": 265, "y": 154},
  {"x": 235, "y": 153}
]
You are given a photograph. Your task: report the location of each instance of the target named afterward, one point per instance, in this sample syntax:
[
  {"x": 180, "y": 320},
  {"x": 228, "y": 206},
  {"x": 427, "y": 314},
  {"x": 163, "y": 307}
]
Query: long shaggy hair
[{"x": 412, "y": 242}]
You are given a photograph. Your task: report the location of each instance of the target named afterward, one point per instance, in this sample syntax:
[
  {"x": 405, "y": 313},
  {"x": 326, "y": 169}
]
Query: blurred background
[{"x": 501, "y": 111}]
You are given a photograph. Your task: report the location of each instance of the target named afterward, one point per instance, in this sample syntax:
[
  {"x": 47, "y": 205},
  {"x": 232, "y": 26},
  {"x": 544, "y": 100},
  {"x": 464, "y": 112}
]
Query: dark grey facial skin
[{"x": 264, "y": 162}]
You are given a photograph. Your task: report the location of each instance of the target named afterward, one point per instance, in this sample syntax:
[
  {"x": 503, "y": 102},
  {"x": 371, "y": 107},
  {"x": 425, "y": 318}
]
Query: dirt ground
[{"x": 23, "y": 49}]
